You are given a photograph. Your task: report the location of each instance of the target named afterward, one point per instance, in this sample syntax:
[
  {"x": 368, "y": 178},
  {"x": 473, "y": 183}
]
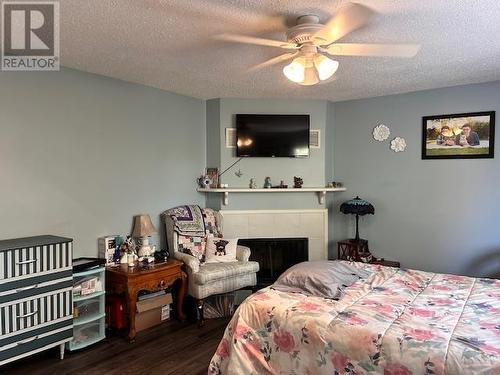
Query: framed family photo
[
  {"x": 459, "y": 136},
  {"x": 213, "y": 175}
]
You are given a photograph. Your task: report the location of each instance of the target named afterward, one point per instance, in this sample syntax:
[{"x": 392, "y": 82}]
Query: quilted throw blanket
[
  {"x": 393, "y": 322},
  {"x": 188, "y": 220}
]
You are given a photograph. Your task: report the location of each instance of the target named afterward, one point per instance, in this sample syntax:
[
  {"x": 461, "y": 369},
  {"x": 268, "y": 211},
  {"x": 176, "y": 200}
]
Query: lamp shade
[
  {"x": 357, "y": 206},
  {"x": 143, "y": 226}
]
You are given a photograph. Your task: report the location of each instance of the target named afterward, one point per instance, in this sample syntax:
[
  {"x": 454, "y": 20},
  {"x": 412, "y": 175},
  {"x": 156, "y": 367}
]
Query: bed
[{"x": 388, "y": 321}]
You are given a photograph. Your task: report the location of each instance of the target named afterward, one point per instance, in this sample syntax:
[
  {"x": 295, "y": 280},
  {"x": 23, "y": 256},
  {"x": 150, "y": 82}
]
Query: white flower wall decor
[
  {"x": 381, "y": 132},
  {"x": 398, "y": 144}
]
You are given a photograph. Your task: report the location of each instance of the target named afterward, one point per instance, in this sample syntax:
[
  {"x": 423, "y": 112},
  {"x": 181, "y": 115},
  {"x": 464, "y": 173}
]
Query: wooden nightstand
[
  {"x": 152, "y": 277},
  {"x": 352, "y": 249},
  {"x": 355, "y": 250}
]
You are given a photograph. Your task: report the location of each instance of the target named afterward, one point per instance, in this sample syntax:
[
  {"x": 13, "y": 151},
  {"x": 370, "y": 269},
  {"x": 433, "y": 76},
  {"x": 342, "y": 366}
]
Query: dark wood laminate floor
[{"x": 171, "y": 348}]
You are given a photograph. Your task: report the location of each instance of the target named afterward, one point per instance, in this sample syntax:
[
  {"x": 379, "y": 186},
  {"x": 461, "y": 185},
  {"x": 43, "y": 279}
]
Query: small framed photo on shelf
[
  {"x": 459, "y": 136},
  {"x": 213, "y": 175}
]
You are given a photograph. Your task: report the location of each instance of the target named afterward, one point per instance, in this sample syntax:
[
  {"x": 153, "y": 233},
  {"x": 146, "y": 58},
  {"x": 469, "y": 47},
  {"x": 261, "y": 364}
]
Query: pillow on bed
[{"x": 324, "y": 279}]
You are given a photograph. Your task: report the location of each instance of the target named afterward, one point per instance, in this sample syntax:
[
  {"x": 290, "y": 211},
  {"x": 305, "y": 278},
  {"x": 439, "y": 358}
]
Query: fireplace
[{"x": 275, "y": 255}]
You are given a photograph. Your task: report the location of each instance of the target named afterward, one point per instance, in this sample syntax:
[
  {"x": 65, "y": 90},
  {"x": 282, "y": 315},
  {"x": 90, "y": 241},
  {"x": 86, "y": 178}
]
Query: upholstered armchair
[{"x": 207, "y": 279}]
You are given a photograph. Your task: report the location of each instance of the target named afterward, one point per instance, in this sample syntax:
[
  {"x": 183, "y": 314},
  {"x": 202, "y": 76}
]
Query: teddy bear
[
  {"x": 220, "y": 247},
  {"x": 297, "y": 182}
]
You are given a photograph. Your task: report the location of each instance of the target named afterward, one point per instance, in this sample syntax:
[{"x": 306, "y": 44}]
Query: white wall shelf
[{"x": 321, "y": 191}]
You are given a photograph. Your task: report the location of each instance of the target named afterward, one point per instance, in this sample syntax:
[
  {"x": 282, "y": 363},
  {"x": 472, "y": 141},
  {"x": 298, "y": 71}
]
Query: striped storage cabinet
[{"x": 36, "y": 280}]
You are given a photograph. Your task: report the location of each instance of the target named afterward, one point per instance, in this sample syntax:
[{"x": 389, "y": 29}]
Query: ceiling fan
[{"x": 311, "y": 42}]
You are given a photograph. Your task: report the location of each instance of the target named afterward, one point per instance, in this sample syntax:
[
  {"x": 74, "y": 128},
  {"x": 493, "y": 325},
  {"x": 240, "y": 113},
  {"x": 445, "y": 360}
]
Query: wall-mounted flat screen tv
[{"x": 272, "y": 135}]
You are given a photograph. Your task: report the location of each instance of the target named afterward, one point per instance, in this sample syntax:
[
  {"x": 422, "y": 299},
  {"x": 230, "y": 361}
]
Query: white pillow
[
  {"x": 220, "y": 250},
  {"x": 325, "y": 279}
]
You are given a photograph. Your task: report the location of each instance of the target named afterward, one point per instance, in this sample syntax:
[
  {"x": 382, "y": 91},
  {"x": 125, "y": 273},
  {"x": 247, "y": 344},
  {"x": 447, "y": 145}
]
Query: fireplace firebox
[{"x": 275, "y": 255}]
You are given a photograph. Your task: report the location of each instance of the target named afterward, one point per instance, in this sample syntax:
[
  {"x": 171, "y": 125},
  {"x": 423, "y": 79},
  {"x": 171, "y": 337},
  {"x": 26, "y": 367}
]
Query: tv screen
[{"x": 272, "y": 136}]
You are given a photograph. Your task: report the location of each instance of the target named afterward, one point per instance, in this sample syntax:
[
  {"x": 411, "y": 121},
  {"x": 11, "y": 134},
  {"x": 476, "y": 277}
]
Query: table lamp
[
  {"x": 358, "y": 207},
  {"x": 143, "y": 228}
]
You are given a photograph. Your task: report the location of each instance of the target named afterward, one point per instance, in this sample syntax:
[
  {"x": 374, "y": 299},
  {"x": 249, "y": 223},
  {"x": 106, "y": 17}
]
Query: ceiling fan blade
[
  {"x": 274, "y": 60},
  {"x": 253, "y": 40},
  {"x": 361, "y": 49},
  {"x": 345, "y": 21}
]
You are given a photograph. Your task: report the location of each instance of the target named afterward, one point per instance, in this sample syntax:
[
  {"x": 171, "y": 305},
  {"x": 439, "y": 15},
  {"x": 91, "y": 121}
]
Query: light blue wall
[
  {"x": 80, "y": 154},
  {"x": 213, "y": 145},
  {"x": 311, "y": 169},
  {"x": 437, "y": 215},
  {"x": 331, "y": 198},
  {"x": 213, "y": 132}
]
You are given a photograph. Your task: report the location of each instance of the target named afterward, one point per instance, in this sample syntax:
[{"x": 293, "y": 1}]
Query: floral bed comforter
[{"x": 395, "y": 321}]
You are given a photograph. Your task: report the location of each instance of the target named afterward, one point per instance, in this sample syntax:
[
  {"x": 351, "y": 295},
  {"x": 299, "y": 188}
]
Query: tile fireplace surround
[{"x": 310, "y": 223}]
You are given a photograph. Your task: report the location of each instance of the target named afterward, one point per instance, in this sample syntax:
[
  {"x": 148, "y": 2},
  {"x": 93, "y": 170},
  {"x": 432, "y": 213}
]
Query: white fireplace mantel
[{"x": 321, "y": 191}]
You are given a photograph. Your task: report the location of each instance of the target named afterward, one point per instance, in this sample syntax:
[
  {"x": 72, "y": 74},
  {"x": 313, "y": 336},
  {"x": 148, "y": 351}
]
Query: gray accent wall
[
  {"x": 80, "y": 154},
  {"x": 436, "y": 215}
]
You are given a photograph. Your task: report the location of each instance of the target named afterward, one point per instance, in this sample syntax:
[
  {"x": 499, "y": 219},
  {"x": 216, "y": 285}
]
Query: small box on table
[{"x": 107, "y": 247}]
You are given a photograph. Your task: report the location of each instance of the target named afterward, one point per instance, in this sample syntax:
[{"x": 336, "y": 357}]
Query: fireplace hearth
[{"x": 275, "y": 255}]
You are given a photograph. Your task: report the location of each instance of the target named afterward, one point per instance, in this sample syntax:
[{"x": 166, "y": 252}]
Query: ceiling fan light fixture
[
  {"x": 295, "y": 71},
  {"x": 310, "y": 76},
  {"x": 311, "y": 43},
  {"x": 326, "y": 67},
  {"x": 309, "y": 70}
]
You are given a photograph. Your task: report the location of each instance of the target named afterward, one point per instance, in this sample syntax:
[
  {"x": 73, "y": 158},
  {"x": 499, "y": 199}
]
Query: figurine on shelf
[
  {"x": 253, "y": 184},
  {"x": 282, "y": 185},
  {"x": 204, "y": 181},
  {"x": 128, "y": 248},
  {"x": 297, "y": 182},
  {"x": 267, "y": 183},
  {"x": 334, "y": 184}
]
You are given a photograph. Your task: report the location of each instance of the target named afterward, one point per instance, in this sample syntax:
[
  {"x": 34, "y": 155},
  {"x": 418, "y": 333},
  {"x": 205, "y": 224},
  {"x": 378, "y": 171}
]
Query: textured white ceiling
[{"x": 168, "y": 44}]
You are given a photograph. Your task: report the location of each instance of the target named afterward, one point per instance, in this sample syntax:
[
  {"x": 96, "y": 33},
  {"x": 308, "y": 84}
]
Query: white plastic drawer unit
[
  {"x": 36, "y": 297},
  {"x": 88, "y": 308},
  {"x": 87, "y": 334},
  {"x": 88, "y": 284}
]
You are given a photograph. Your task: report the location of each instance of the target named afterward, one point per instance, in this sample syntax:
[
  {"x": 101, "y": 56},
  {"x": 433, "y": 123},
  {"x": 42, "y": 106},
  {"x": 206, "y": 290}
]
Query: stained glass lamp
[{"x": 358, "y": 207}]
